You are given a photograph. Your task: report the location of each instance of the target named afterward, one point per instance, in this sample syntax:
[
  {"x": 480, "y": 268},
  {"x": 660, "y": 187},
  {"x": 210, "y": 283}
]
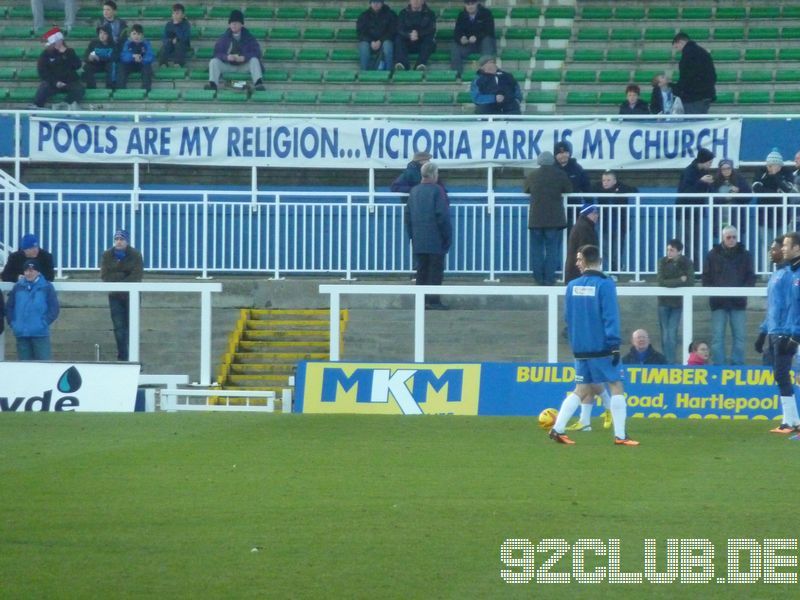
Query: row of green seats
[
  {"x": 693, "y": 13},
  {"x": 632, "y": 55},
  {"x": 741, "y": 97},
  {"x": 665, "y": 34},
  {"x": 645, "y": 76}
]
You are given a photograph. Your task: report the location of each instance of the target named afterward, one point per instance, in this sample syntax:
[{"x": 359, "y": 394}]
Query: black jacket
[
  {"x": 653, "y": 357},
  {"x": 545, "y": 186},
  {"x": 728, "y": 267},
  {"x": 582, "y": 233},
  {"x": 381, "y": 25},
  {"x": 16, "y": 261},
  {"x": 640, "y": 108},
  {"x": 486, "y": 86},
  {"x": 423, "y": 21},
  {"x": 698, "y": 78},
  {"x": 482, "y": 26},
  {"x": 690, "y": 182},
  {"x": 54, "y": 66}
]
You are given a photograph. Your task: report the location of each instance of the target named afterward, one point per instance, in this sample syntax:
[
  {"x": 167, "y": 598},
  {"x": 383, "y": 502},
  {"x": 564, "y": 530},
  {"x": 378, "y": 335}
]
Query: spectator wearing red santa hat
[{"x": 58, "y": 69}]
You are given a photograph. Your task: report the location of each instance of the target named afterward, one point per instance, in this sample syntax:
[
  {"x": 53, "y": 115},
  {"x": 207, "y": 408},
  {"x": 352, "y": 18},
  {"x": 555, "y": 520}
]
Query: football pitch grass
[{"x": 302, "y": 506}]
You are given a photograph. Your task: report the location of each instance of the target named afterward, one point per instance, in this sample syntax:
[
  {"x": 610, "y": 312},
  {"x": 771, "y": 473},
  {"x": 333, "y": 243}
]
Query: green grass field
[{"x": 172, "y": 505}]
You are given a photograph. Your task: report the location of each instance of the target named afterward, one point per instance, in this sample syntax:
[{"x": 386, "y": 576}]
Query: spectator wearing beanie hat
[
  {"x": 58, "y": 67},
  {"x": 695, "y": 178},
  {"x": 121, "y": 263},
  {"x": 236, "y": 51},
  {"x": 774, "y": 180},
  {"x": 28, "y": 249},
  {"x": 583, "y": 233},
  {"x": 729, "y": 181},
  {"x": 32, "y": 307}
]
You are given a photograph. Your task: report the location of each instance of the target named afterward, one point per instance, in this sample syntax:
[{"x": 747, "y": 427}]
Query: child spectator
[
  {"x": 100, "y": 57},
  {"x": 137, "y": 57},
  {"x": 699, "y": 353},
  {"x": 633, "y": 105},
  {"x": 58, "y": 70},
  {"x": 119, "y": 28},
  {"x": 175, "y": 42},
  {"x": 663, "y": 100}
]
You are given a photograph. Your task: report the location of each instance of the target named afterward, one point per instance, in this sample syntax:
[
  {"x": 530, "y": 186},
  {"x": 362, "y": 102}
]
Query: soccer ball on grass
[{"x": 547, "y": 418}]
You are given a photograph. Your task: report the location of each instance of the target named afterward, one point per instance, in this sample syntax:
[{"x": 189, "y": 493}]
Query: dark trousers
[
  {"x": 424, "y": 47},
  {"x": 781, "y": 364},
  {"x": 119, "y": 303},
  {"x": 74, "y": 91},
  {"x": 125, "y": 69},
  {"x": 174, "y": 53},
  {"x": 91, "y": 69},
  {"x": 430, "y": 271}
]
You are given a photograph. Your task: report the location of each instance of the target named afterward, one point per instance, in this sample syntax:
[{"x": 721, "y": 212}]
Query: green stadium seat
[
  {"x": 362, "y": 97},
  {"x": 373, "y": 77},
  {"x": 581, "y": 97},
  {"x": 696, "y": 13},
  {"x": 441, "y": 55},
  {"x": 28, "y": 74},
  {"x": 614, "y": 98},
  {"x": 626, "y": 34},
  {"x": 551, "y": 54},
  {"x": 130, "y": 13},
  {"x": 319, "y": 33},
  {"x": 82, "y": 33},
  {"x": 170, "y": 73},
  {"x": 588, "y": 55},
  {"x": 788, "y": 76},
  {"x": 662, "y": 13},
  {"x": 659, "y": 34},
  {"x": 621, "y": 55},
  {"x": 204, "y": 53},
  {"x": 277, "y": 75},
  {"x": 765, "y": 12},
  {"x": 12, "y": 53},
  {"x": 520, "y": 33},
  {"x": 322, "y": 13},
  {"x": 267, "y": 96},
  {"x": 436, "y": 76},
  {"x": 259, "y": 33},
  {"x": 307, "y": 76},
  {"x": 278, "y": 54},
  {"x": 163, "y": 12},
  {"x": 300, "y": 97},
  {"x": 756, "y": 76},
  {"x": 656, "y": 55},
  {"x": 646, "y": 76},
  {"x": 787, "y": 96},
  {"x": 525, "y": 12},
  {"x": 340, "y": 76},
  {"x": 727, "y": 76},
  {"x": 130, "y": 95},
  {"x": 753, "y": 97},
  {"x": 291, "y": 13},
  {"x": 348, "y": 34},
  {"x": 408, "y": 77},
  {"x": 615, "y": 76},
  {"x": 3, "y": 93},
  {"x": 21, "y": 94},
  {"x": 592, "y": 34},
  {"x": 726, "y": 55},
  {"x": 729, "y": 33},
  {"x": 198, "y": 95},
  {"x": 515, "y": 54},
  {"x": 542, "y": 97},
  {"x": 450, "y": 13},
  {"x": 463, "y": 98},
  {"x": 219, "y": 12},
  {"x": 259, "y": 13},
  {"x": 437, "y": 98},
  {"x": 556, "y": 33},
  {"x": 313, "y": 54},
  {"x": 789, "y": 53},
  {"x": 284, "y": 33},
  {"x": 580, "y": 76},
  {"x": 199, "y": 74},
  {"x": 698, "y": 34},
  {"x": 791, "y": 11},
  {"x": 732, "y": 13},
  {"x": 759, "y": 54},
  {"x": 629, "y": 13},
  {"x": 334, "y": 97},
  {"x": 351, "y": 13},
  {"x": 15, "y": 32},
  {"x": 345, "y": 54},
  {"x": 546, "y": 75},
  {"x": 162, "y": 95},
  {"x": 597, "y": 13},
  {"x": 194, "y": 13},
  {"x": 7, "y": 73},
  {"x": 763, "y": 33},
  {"x": 498, "y": 12},
  {"x": 404, "y": 98},
  {"x": 559, "y": 12},
  {"x": 790, "y": 33},
  {"x": 20, "y": 12},
  {"x": 96, "y": 11}
]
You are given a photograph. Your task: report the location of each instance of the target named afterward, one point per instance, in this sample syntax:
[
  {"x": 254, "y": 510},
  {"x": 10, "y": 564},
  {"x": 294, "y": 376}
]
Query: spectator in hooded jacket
[
  {"x": 633, "y": 104},
  {"x": 100, "y": 57},
  {"x": 58, "y": 70},
  {"x": 473, "y": 34},
  {"x": 728, "y": 264},
  {"x": 177, "y": 38},
  {"x": 376, "y": 28},
  {"x": 28, "y": 250},
  {"x": 696, "y": 84},
  {"x": 32, "y": 308},
  {"x": 416, "y": 33},
  {"x": 493, "y": 91},
  {"x": 137, "y": 56},
  {"x": 577, "y": 175},
  {"x": 236, "y": 51}
]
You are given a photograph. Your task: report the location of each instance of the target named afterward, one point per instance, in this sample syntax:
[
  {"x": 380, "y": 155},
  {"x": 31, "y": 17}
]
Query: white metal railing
[
  {"x": 171, "y": 400},
  {"x": 205, "y": 289},
  {"x": 552, "y": 294}
]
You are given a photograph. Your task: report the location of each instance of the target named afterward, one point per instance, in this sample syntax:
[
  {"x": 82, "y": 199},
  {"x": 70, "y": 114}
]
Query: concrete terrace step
[
  {"x": 243, "y": 358},
  {"x": 282, "y": 346},
  {"x": 288, "y": 325},
  {"x": 277, "y": 369},
  {"x": 298, "y": 336},
  {"x": 310, "y": 314}
]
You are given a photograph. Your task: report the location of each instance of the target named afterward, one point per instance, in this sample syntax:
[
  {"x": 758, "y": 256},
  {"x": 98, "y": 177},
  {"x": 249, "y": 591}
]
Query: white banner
[
  {"x": 62, "y": 387},
  {"x": 320, "y": 142}
]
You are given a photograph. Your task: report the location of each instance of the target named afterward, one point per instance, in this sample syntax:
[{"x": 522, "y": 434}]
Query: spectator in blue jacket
[
  {"x": 137, "y": 57},
  {"x": 493, "y": 91},
  {"x": 236, "y": 51},
  {"x": 100, "y": 57},
  {"x": 376, "y": 29},
  {"x": 176, "y": 40},
  {"x": 32, "y": 308},
  {"x": 473, "y": 34}
]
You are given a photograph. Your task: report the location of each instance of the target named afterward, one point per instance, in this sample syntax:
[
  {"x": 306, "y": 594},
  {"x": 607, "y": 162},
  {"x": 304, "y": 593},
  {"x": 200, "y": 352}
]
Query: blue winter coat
[
  {"x": 143, "y": 48},
  {"x": 778, "y": 288},
  {"x": 592, "y": 315},
  {"x": 427, "y": 217},
  {"x": 32, "y": 307}
]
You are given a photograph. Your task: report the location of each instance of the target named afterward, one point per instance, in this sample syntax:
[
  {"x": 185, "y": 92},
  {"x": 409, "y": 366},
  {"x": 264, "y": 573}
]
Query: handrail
[
  {"x": 205, "y": 289},
  {"x": 552, "y": 293}
]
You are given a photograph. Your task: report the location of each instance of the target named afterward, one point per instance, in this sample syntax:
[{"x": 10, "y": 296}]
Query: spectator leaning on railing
[
  {"x": 121, "y": 263},
  {"x": 28, "y": 250}
]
